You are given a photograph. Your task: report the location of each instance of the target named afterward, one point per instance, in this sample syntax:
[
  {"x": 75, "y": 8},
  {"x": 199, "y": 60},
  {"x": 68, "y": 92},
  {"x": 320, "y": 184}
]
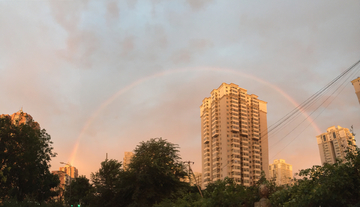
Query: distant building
[
  {"x": 21, "y": 118},
  {"x": 234, "y": 140},
  {"x": 281, "y": 172},
  {"x": 356, "y": 84},
  {"x": 197, "y": 180},
  {"x": 127, "y": 159},
  {"x": 64, "y": 180},
  {"x": 71, "y": 171},
  {"x": 334, "y": 143}
]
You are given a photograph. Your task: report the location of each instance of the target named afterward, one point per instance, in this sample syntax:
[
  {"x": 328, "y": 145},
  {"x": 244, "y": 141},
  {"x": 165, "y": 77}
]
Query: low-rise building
[{"x": 281, "y": 172}]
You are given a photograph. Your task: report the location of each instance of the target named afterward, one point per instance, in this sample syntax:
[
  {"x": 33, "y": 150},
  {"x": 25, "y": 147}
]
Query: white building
[
  {"x": 234, "y": 140},
  {"x": 334, "y": 143}
]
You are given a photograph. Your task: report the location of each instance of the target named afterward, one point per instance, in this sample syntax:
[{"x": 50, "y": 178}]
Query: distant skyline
[{"x": 102, "y": 76}]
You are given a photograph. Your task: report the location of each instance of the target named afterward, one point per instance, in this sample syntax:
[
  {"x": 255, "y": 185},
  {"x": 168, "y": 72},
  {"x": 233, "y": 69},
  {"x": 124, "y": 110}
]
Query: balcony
[
  {"x": 206, "y": 140},
  {"x": 215, "y": 133},
  {"x": 235, "y": 128}
]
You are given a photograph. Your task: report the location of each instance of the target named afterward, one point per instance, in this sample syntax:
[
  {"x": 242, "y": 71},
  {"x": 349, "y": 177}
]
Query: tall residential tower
[
  {"x": 334, "y": 143},
  {"x": 233, "y": 136},
  {"x": 356, "y": 84}
]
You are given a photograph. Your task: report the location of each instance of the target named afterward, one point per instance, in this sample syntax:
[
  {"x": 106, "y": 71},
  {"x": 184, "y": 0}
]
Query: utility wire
[
  {"x": 307, "y": 103},
  {"x": 310, "y": 99},
  {"x": 342, "y": 86},
  {"x": 349, "y": 76}
]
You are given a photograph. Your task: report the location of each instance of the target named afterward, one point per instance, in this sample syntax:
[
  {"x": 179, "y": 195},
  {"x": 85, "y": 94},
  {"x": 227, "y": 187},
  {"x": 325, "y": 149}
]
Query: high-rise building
[
  {"x": 356, "y": 84},
  {"x": 233, "y": 136},
  {"x": 334, "y": 143},
  {"x": 281, "y": 172},
  {"x": 70, "y": 170},
  {"x": 64, "y": 180},
  {"x": 127, "y": 159},
  {"x": 21, "y": 118}
]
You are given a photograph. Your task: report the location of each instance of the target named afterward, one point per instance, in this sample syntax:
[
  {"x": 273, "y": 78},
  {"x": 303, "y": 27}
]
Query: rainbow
[{"x": 134, "y": 84}]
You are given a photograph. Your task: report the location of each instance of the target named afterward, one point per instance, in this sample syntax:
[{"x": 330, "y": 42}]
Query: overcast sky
[{"x": 110, "y": 74}]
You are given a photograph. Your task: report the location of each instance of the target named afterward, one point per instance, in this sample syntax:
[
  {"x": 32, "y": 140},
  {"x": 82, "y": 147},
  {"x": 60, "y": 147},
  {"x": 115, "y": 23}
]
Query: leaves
[{"x": 25, "y": 154}]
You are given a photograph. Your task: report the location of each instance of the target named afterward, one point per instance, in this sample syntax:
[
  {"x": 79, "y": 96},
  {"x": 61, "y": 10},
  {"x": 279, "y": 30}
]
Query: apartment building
[
  {"x": 21, "y": 117},
  {"x": 281, "y": 172},
  {"x": 233, "y": 136},
  {"x": 356, "y": 84},
  {"x": 334, "y": 143},
  {"x": 70, "y": 170},
  {"x": 127, "y": 159}
]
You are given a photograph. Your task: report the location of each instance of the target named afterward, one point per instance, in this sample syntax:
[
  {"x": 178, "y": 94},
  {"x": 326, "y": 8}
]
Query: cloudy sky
[{"x": 102, "y": 76}]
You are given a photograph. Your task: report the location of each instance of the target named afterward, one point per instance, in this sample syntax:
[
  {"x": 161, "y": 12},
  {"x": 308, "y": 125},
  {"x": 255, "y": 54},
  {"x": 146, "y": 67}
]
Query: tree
[
  {"x": 156, "y": 171},
  {"x": 81, "y": 192},
  {"x": 25, "y": 154},
  {"x": 328, "y": 185},
  {"x": 106, "y": 182}
]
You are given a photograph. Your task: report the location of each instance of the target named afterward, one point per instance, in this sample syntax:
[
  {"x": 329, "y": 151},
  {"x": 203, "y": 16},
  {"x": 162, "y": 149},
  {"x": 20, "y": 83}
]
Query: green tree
[
  {"x": 81, "y": 192},
  {"x": 156, "y": 171},
  {"x": 328, "y": 185},
  {"x": 107, "y": 183},
  {"x": 25, "y": 154}
]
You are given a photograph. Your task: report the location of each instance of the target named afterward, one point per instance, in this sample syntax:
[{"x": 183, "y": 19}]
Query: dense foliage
[
  {"x": 153, "y": 178},
  {"x": 328, "y": 185},
  {"x": 25, "y": 153},
  {"x": 79, "y": 191},
  {"x": 157, "y": 171}
]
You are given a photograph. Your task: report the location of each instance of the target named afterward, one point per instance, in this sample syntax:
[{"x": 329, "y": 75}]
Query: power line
[
  {"x": 306, "y": 104},
  {"x": 342, "y": 86}
]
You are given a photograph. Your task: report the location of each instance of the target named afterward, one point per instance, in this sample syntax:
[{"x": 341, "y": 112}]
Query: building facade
[
  {"x": 281, "y": 172},
  {"x": 20, "y": 117},
  {"x": 195, "y": 180},
  {"x": 64, "y": 180},
  {"x": 233, "y": 136},
  {"x": 70, "y": 170},
  {"x": 127, "y": 159},
  {"x": 334, "y": 143},
  {"x": 356, "y": 84}
]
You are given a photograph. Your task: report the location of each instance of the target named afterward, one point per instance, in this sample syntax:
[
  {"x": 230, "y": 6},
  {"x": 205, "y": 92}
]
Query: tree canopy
[
  {"x": 25, "y": 154},
  {"x": 157, "y": 169},
  {"x": 327, "y": 185}
]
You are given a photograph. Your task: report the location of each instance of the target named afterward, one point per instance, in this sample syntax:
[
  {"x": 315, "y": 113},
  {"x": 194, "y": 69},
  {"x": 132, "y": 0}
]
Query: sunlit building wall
[
  {"x": 334, "y": 143},
  {"x": 233, "y": 136},
  {"x": 194, "y": 181},
  {"x": 71, "y": 171},
  {"x": 356, "y": 84},
  {"x": 281, "y": 172},
  {"x": 21, "y": 118},
  {"x": 64, "y": 180},
  {"x": 127, "y": 159}
]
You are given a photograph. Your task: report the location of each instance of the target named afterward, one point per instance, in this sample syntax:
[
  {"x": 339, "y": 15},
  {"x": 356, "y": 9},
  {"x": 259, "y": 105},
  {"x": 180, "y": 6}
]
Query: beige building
[
  {"x": 281, "y": 172},
  {"x": 21, "y": 118},
  {"x": 127, "y": 159},
  {"x": 64, "y": 180},
  {"x": 334, "y": 143},
  {"x": 356, "y": 84},
  {"x": 197, "y": 180},
  {"x": 70, "y": 170},
  {"x": 233, "y": 136}
]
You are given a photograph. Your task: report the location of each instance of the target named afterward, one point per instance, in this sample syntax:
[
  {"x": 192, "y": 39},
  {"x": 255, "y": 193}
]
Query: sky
[{"x": 103, "y": 76}]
